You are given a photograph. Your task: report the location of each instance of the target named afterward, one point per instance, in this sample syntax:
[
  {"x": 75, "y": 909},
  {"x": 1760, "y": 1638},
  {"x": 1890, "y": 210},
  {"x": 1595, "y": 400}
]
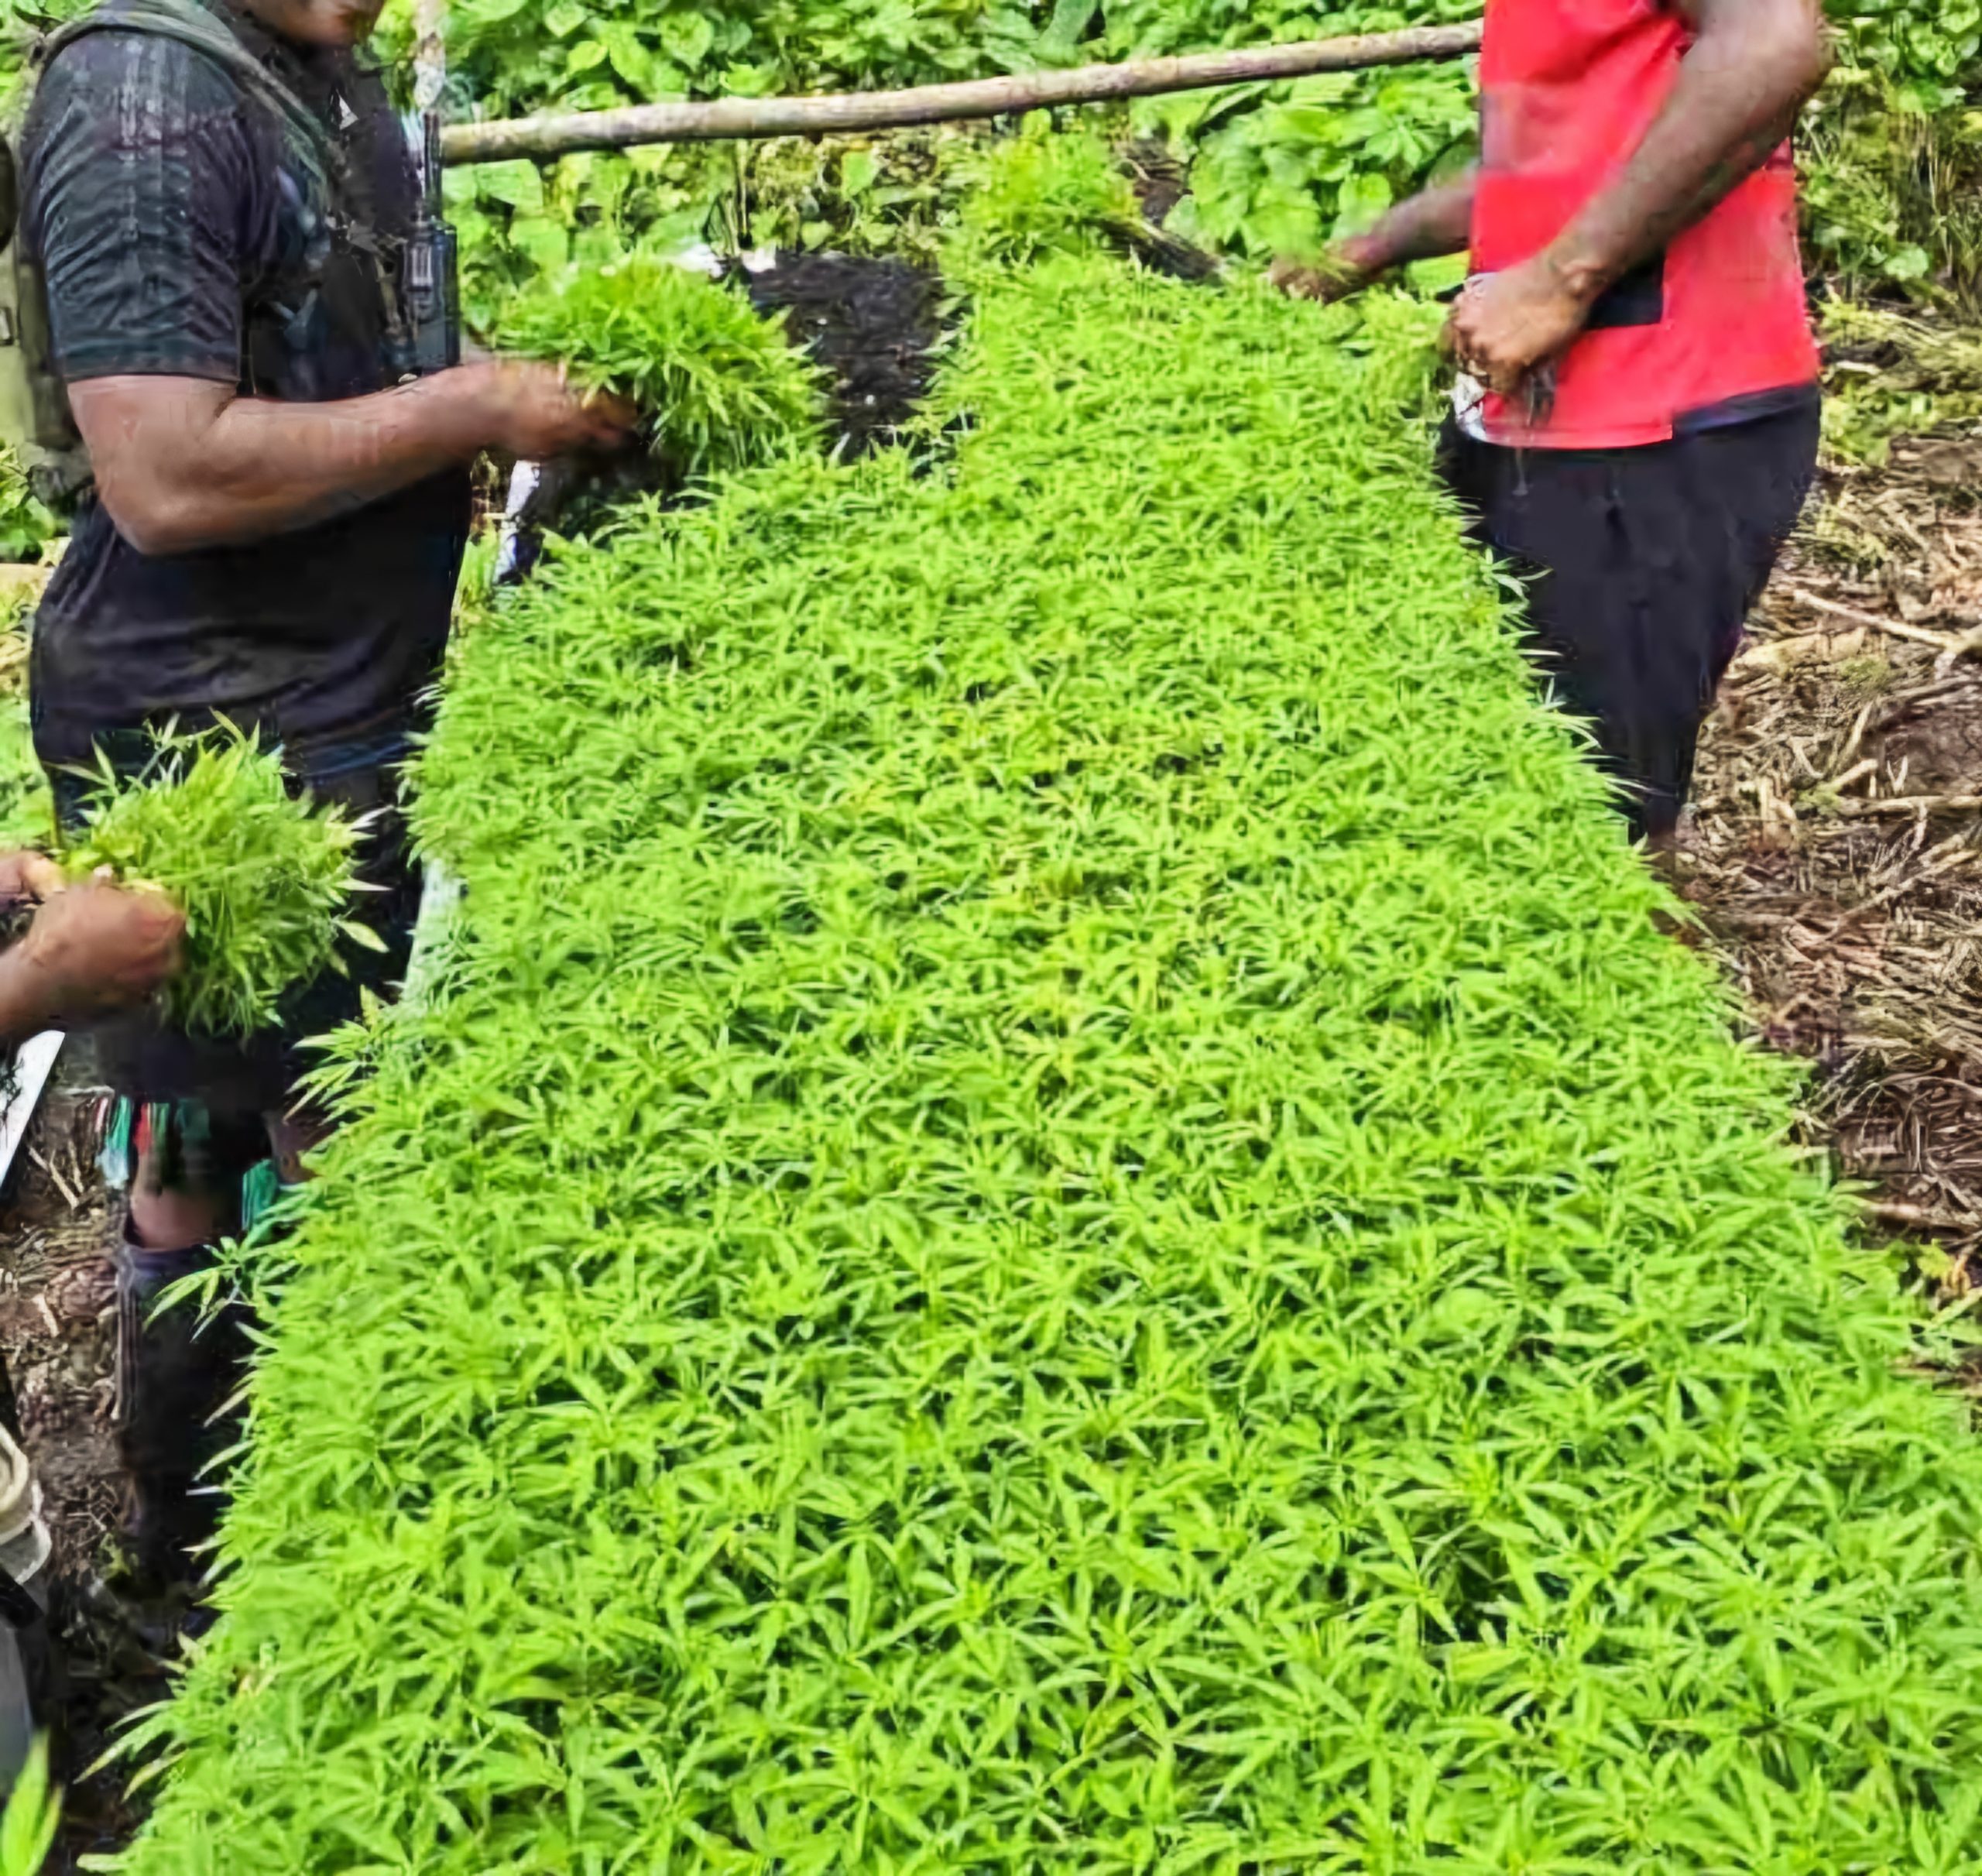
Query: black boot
[{"x": 176, "y": 1373}]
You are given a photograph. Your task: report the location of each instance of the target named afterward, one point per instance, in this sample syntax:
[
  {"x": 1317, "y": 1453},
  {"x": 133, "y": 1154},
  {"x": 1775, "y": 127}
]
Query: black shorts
[
  {"x": 1642, "y": 566},
  {"x": 240, "y": 1079}
]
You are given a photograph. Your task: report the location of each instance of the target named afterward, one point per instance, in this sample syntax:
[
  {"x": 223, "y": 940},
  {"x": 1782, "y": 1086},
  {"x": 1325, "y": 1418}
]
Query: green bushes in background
[{"x": 1891, "y": 152}]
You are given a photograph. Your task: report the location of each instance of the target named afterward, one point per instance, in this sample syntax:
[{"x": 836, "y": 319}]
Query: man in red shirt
[{"x": 1636, "y": 425}]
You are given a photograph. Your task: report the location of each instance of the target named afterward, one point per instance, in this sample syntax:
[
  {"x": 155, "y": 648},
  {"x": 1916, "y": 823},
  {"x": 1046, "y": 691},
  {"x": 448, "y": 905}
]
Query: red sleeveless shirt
[{"x": 1714, "y": 328}]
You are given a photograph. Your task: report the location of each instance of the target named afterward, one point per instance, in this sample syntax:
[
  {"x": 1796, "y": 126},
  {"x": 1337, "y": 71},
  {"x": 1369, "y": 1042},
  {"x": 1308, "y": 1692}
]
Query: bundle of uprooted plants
[
  {"x": 717, "y": 386},
  {"x": 1065, "y": 1214},
  {"x": 264, "y": 877}
]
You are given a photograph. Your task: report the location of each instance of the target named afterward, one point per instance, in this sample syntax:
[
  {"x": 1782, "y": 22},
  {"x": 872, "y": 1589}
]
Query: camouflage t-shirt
[{"x": 181, "y": 235}]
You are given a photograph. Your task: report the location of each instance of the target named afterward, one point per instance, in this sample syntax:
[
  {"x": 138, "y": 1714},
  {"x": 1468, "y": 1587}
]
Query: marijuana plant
[
  {"x": 264, "y": 878},
  {"x": 720, "y": 388}
]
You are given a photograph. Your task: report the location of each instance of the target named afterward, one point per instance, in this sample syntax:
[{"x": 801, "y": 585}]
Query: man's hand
[
  {"x": 535, "y": 413},
  {"x": 29, "y": 875},
  {"x": 1333, "y": 277},
  {"x": 1437, "y": 222},
  {"x": 95, "y": 948},
  {"x": 1507, "y": 325}
]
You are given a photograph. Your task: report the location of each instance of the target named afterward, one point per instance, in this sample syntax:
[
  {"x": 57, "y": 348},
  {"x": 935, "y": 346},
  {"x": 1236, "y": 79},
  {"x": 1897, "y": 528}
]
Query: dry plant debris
[{"x": 1836, "y": 848}]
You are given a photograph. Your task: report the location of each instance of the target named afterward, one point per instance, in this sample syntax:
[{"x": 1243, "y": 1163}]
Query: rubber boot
[{"x": 176, "y": 1375}]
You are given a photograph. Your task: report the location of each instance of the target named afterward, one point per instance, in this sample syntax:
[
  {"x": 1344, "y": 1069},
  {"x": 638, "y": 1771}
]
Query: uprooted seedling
[
  {"x": 265, "y": 878},
  {"x": 718, "y": 387}
]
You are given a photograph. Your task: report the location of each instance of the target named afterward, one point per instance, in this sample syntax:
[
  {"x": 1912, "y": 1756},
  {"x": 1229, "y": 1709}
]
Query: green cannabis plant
[
  {"x": 719, "y": 387},
  {"x": 1040, "y": 193},
  {"x": 264, "y": 877},
  {"x": 1062, "y": 1215}
]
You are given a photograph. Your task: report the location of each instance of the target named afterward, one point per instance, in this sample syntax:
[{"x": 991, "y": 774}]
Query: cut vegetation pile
[{"x": 1062, "y": 1213}]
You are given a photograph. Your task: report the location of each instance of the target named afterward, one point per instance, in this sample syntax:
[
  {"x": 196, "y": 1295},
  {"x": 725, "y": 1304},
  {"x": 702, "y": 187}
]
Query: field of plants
[
  {"x": 1060, "y": 1204},
  {"x": 1061, "y": 1211}
]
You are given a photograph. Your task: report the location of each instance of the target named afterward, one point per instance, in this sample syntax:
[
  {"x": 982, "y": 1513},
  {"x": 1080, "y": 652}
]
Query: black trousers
[{"x": 1641, "y": 565}]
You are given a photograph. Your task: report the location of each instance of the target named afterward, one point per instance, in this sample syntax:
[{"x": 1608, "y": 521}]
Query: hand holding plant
[
  {"x": 262, "y": 878},
  {"x": 1507, "y": 325},
  {"x": 715, "y": 386},
  {"x": 535, "y": 412},
  {"x": 1335, "y": 276},
  {"x": 95, "y": 948}
]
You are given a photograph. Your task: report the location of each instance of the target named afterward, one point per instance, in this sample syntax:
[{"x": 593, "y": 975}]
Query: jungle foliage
[{"x": 1272, "y": 168}]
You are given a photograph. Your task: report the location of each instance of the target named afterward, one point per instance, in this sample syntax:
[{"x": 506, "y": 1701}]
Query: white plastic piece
[
  {"x": 439, "y": 898},
  {"x": 701, "y": 258},
  {"x": 523, "y": 484},
  {"x": 19, "y": 1500},
  {"x": 25, "y": 1547},
  {"x": 24, "y": 1544},
  {"x": 21, "y": 1086}
]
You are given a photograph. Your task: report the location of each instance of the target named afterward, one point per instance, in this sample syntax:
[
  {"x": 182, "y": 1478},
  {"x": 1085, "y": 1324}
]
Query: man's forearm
[
  {"x": 273, "y": 466},
  {"x": 25, "y": 1006},
  {"x": 1737, "y": 97},
  {"x": 219, "y": 469},
  {"x": 1427, "y": 226}
]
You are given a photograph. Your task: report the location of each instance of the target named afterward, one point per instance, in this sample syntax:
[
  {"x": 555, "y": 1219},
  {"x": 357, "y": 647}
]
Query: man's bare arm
[
  {"x": 1424, "y": 227},
  {"x": 181, "y": 464},
  {"x": 93, "y": 947},
  {"x": 1754, "y": 65}
]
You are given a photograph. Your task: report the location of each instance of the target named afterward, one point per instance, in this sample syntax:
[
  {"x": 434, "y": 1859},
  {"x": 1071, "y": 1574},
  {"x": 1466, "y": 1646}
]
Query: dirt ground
[
  {"x": 58, "y": 1333},
  {"x": 1836, "y": 830},
  {"x": 876, "y": 325}
]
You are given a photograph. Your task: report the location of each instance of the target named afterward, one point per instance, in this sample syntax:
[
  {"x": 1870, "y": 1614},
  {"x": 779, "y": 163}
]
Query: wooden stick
[
  {"x": 1918, "y": 635},
  {"x": 941, "y": 104},
  {"x": 1911, "y": 804},
  {"x": 1969, "y": 641},
  {"x": 1926, "y": 1217}
]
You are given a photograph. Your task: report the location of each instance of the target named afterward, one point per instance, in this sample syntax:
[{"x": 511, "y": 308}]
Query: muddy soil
[{"x": 877, "y": 326}]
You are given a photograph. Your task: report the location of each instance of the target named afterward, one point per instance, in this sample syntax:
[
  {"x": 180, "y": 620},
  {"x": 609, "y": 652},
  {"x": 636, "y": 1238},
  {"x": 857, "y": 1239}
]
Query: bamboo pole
[{"x": 940, "y": 104}]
